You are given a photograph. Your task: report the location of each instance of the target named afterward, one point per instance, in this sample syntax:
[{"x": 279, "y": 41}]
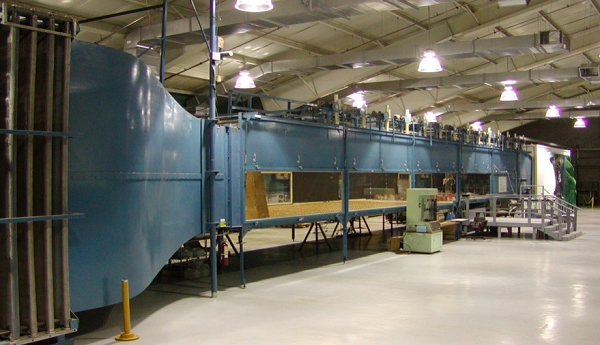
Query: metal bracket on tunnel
[
  {"x": 354, "y": 163},
  {"x": 254, "y": 160},
  {"x": 299, "y": 162},
  {"x": 381, "y": 165},
  {"x": 335, "y": 163}
]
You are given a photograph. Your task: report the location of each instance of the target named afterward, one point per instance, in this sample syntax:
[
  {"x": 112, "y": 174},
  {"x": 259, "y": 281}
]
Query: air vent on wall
[
  {"x": 506, "y": 3},
  {"x": 554, "y": 41},
  {"x": 590, "y": 73}
]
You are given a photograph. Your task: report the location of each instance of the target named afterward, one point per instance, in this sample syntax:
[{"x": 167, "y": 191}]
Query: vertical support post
[
  {"x": 212, "y": 111},
  {"x": 48, "y": 272},
  {"x": 9, "y": 278},
  {"x": 345, "y": 197},
  {"x": 29, "y": 241},
  {"x": 229, "y": 102},
  {"x": 458, "y": 186},
  {"x": 163, "y": 42},
  {"x": 65, "y": 297},
  {"x": 242, "y": 267},
  {"x": 411, "y": 161}
]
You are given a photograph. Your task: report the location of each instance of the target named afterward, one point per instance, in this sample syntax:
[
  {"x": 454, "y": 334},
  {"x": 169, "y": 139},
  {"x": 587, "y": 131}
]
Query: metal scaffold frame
[{"x": 35, "y": 53}]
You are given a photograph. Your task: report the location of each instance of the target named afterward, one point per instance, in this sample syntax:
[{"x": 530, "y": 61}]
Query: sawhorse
[
  {"x": 318, "y": 228},
  {"x": 352, "y": 229}
]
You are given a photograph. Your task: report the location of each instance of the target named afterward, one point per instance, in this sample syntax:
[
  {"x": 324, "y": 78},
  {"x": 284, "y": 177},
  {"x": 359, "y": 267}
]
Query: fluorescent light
[
  {"x": 430, "y": 116},
  {"x": 430, "y": 62},
  {"x": 552, "y": 111},
  {"x": 244, "y": 81},
  {"x": 509, "y": 94},
  {"x": 358, "y": 100},
  {"x": 477, "y": 126},
  {"x": 579, "y": 123},
  {"x": 254, "y": 5},
  {"x": 359, "y": 103}
]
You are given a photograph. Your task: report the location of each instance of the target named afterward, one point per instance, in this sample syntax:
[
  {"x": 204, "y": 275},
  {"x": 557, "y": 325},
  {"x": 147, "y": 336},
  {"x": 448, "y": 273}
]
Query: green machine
[{"x": 423, "y": 233}]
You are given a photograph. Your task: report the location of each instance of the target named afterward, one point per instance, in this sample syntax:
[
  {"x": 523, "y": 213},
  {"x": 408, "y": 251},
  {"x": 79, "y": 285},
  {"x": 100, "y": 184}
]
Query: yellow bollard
[{"x": 127, "y": 335}]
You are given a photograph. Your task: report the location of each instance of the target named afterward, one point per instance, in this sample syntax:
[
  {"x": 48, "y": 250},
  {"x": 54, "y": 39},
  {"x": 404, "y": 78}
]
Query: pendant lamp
[
  {"x": 253, "y": 5},
  {"x": 509, "y": 94},
  {"x": 552, "y": 111},
  {"x": 579, "y": 123},
  {"x": 244, "y": 80},
  {"x": 430, "y": 62}
]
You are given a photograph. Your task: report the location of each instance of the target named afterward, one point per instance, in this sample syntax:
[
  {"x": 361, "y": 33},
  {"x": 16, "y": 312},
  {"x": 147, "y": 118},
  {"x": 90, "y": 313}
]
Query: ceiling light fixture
[
  {"x": 509, "y": 94},
  {"x": 477, "y": 126},
  {"x": 358, "y": 99},
  {"x": 553, "y": 111},
  {"x": 579, "y": 123},
  {"x": 254, "y": 5},
  {"x": 430, "y": 62},
  {"x": 244, "y": 81},
  {"x": 430, "y": 117}
]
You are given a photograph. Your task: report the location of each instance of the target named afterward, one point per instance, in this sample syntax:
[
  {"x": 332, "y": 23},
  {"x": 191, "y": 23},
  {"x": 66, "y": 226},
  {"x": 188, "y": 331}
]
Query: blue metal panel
[
  {"x": 525, "y": 168},
  {"x": 476, "y": 159},
  {"x": 134, "y": 169},
  {"x": 469, "y": 159},
  {"x": 236, "y": 177},
  {"x": 377, "y": 151},
  {"x": 292, "y": 146},
  {"x": 435, "y": 156},
  {"x": 504, "y": 165},
  {"x": 219, "y": 199},
  {"x": 505, "y": 161}
]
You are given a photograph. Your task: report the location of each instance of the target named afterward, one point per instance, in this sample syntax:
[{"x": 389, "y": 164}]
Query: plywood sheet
[{"x": 256, "y": 198}]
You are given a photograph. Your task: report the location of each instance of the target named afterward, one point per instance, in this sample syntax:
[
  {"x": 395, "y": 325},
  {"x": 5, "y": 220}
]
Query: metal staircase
[
  {"x": 548, "y": 215},
  {"x": 562, "y": 216},
  {"x": 558, "y": 217}
]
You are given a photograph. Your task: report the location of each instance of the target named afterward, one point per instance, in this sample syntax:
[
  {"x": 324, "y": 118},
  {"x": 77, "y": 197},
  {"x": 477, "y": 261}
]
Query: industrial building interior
[{"x": 344, "y": 195}]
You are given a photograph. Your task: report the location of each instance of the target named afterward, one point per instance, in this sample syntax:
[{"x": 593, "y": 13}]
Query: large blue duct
[{"x": 134, "y": 171}]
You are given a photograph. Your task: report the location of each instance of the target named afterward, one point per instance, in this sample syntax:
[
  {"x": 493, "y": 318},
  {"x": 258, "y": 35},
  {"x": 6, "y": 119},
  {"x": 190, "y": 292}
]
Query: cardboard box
[
  {"x": 450, "y": 229},
  {"x": 394, "y": 243}
]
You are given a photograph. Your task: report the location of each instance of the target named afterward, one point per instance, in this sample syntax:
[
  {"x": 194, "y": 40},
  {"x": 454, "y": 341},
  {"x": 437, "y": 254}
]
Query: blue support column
[
  {"x": 212, "y": 110},
  {"x": 242, "y": 271},
  {"x": 163, "y": 42},
  {"x": 411, "y": 162},
  {"x": 345, "y": 199},
  {"x": 458, "y": 177}
]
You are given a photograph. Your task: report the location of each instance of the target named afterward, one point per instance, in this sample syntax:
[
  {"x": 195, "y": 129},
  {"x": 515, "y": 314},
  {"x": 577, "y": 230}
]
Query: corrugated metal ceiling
[{"x": 348, "y": 29}]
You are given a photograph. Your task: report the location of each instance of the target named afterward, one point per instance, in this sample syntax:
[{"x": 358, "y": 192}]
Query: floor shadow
[{"x": 259, "y": 265}]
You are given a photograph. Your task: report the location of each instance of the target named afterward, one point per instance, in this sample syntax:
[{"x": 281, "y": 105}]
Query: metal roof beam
[
  {"x": 562, "y": 103},
  {"x": 409, "y": 19},
  {"x": 546, "y": 76},
  {"x": 353, "y": 32}
]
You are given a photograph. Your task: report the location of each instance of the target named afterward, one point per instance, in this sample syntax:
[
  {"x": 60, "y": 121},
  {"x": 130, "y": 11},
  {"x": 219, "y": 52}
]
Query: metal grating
[{"x": 34, "y": 281}]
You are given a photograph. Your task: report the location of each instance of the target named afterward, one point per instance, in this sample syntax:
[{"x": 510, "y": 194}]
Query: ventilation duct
[
  {"x": 507, "y": 3},
  {"x": 538, "y": 116},
  {"x": 285, "y": 13},
  {"x": 464, "y": 81},
  {"x": 542, "y": 104},
  {"x": 590, "y": 73},
  {"x": 554, "y": 41},
  {"x": 495, "y": 47}
]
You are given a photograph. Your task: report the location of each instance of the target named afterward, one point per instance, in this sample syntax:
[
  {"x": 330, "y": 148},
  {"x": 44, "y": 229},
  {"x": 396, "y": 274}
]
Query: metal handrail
[{"x": 560, "y": 211}]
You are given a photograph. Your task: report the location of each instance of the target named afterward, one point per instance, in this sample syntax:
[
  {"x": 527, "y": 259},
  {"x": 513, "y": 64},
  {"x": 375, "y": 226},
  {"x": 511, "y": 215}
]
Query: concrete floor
[{"x": 507, "y": 291}]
